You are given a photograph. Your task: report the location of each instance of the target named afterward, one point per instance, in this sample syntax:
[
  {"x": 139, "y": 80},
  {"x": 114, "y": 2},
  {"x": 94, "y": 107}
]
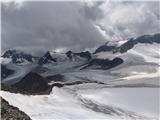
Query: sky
[{"x": 40, "y": 26}]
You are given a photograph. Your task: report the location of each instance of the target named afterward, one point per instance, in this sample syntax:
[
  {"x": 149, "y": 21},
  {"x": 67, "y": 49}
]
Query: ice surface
[{"x": 68, "y": 103}]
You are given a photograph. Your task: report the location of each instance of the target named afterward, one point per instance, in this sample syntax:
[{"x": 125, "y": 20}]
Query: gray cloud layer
[{"x": 39, "y": 26}]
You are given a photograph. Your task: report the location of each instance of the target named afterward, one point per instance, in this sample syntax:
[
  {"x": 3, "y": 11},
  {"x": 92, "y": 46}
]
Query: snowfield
[
  {"x": 88, "y": 104},
  {"x": 59, "y": 105}
]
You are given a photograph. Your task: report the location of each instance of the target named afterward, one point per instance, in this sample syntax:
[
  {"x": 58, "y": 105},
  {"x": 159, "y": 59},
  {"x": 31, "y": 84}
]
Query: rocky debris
[{"x": 9, "y": 112}]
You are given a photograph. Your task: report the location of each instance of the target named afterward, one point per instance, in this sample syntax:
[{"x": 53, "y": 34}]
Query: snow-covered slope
[
  {"x": 140, "y": 57},
  {"x": 19, "y": 72},
  {"x": 68, "y": 103}
]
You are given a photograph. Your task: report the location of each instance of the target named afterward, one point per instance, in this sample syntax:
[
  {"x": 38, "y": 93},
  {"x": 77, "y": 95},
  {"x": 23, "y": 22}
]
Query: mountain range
[{"x": 83, "y": 82}]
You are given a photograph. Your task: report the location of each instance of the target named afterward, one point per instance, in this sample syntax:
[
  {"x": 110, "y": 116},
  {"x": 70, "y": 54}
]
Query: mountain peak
[
  {"x": 18, "y": 56},
  {"x": 147, "y": 39},
  {"x": 69, "y": 54},
  {"x": 32, "y": 82},
  {"x": 47, "y": 58}
]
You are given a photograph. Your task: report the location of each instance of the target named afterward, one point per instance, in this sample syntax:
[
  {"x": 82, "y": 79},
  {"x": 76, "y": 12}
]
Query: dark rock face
[
  {"x": 104, "y": 48},
  {"x": 105, "y": 63},
  {"x": 47, "y": 58},
  {"x": 143, "y": 39},
  {"x": 69, "y": 54},
  {"x": 126, "y": 46},
  {"x": 17, "y": 56},
  {"x": 85, "y": 54},
  {"x": 33, "y": 83},
  {"x": 156, "y": 38},
  {"x": 9, "y": 112},
  {"x": 149, "y": 39},
  {"x": 5, "y": 72},
  {"x": 116, "y": 61}
]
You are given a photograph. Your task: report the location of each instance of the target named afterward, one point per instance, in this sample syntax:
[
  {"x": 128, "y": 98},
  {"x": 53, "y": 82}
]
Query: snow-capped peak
[{"x": 17, "y": 56}]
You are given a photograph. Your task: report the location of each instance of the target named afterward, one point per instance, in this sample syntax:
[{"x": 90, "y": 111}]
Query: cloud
[
  {"x": 130, "y": 19},
  {"x": 48, "y": 25},
  {"x": 41, "y": 26}
]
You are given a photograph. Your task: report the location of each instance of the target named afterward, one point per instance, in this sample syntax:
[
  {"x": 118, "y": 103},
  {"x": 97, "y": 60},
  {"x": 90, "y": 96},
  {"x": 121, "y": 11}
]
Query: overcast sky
[{"x": 42, "y": 26}]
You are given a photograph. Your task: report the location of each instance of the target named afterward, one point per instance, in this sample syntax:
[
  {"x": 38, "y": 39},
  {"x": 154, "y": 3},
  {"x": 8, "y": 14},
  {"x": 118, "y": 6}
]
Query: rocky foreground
[{"x": 9, "y": 112}]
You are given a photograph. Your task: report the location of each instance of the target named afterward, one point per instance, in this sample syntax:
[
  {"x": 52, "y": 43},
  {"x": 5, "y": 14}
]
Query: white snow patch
[{"x": 5, "y": 60}]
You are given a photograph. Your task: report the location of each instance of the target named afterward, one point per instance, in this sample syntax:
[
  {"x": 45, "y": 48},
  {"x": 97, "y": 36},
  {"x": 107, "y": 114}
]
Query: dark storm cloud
[
  {"x": 41, "y": 26},
  {"x": 48, "y": 25}
]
